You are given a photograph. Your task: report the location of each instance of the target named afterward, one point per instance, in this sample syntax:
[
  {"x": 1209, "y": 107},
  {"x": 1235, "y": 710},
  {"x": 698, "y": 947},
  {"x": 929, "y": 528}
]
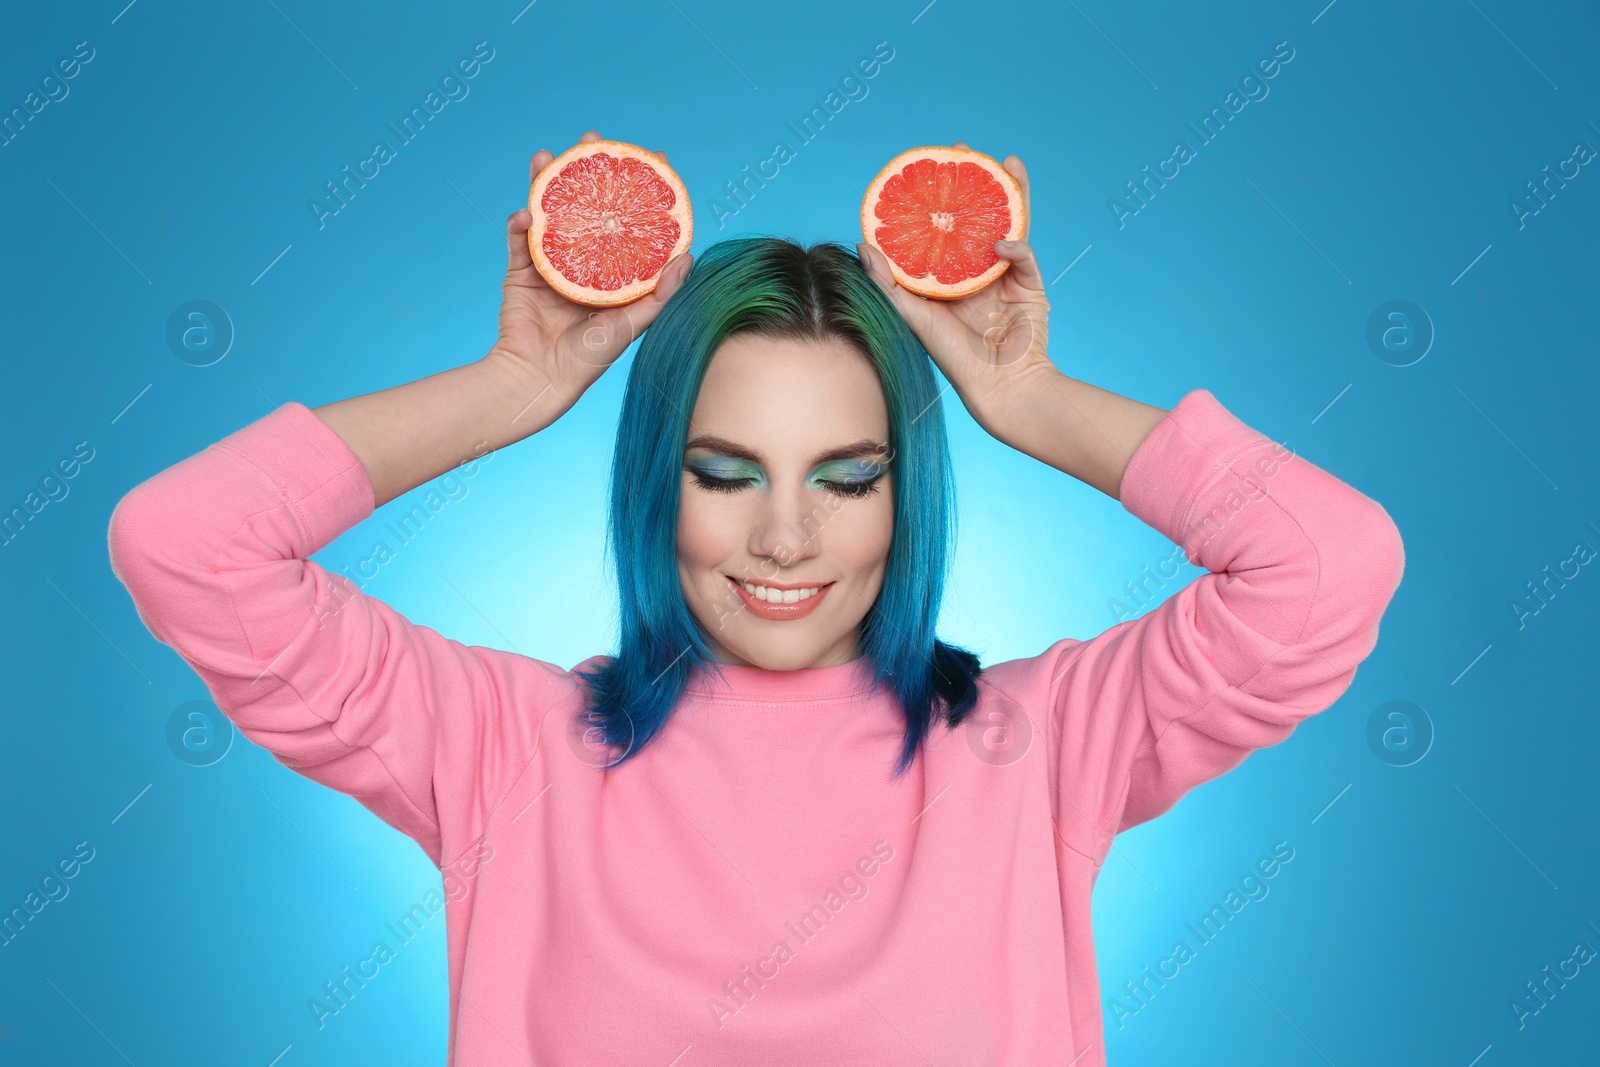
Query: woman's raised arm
[
  {"x": 549, "y": 351},
  {"x": 1302, "y": 565},
  {"x": 426, "y": 732},
  {"x": 993, "y": 345},
  {"x": 1301, "y": 568}
]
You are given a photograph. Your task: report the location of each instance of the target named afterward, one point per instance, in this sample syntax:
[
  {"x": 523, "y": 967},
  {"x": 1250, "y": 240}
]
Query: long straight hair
[{"x": 773, "y": 287}]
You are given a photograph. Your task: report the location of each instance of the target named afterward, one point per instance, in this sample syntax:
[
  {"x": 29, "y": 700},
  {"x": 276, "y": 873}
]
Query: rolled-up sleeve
[
  {"x": 336, "y": 684},
  {"x": 1302, "y": 567}
]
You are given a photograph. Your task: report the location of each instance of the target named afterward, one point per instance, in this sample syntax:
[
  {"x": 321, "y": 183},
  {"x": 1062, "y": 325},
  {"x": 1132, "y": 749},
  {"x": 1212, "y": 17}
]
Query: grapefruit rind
[
  {"x": 927, "y": 285},
  {"x": 587, "y": 295}
]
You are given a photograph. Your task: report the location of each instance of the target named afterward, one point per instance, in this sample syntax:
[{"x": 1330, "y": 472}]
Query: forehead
[{"x": 789, "y": 399}]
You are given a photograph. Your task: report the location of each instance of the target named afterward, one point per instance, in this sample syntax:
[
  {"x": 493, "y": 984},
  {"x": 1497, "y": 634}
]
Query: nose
[{"x": 788, "y": 526}]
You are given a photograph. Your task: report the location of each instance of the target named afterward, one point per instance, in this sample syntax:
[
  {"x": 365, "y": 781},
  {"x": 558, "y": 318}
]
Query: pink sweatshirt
[{"x": 752, "y": 888}]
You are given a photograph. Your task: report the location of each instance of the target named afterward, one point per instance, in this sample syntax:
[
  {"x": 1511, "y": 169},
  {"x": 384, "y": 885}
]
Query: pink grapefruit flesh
[
  {"x": 607, "y": 217},
  {"x": 935, "y": 214}
]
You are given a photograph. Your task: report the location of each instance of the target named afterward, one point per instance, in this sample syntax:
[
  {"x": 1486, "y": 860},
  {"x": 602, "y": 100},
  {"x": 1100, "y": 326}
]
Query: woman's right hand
[{"x": 560, "y": 343}]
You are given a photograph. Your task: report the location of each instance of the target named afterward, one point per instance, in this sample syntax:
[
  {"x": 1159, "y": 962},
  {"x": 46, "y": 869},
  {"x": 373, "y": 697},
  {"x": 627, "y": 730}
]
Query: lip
[{"x": 763, "y": 609}]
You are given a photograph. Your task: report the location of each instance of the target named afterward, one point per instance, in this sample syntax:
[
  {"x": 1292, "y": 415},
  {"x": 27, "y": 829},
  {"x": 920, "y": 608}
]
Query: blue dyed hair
[{"x": 773, "y": 287}]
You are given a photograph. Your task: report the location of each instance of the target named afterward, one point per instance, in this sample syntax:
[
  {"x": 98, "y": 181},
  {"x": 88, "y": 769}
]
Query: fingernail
[
  {"x": 866, "y": 261},
  {"x": 675, "y": 281}
]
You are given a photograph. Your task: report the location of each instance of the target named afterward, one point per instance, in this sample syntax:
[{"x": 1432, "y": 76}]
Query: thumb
[
  {"x": 928, "y": 319},
  {"x": 643, "y": 311},
  {"x": 608, "y": 333},
  {"x": 1024, "y": 264},
  {"x": 673, "y": 276},
  {"x": 909, "y": 304}
]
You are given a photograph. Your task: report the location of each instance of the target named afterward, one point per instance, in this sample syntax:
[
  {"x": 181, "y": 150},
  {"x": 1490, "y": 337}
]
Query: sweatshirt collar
[{"x": 757, "y": 684}]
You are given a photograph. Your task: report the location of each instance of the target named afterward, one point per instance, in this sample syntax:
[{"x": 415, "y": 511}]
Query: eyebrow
[{"x": 854, "y": 450}]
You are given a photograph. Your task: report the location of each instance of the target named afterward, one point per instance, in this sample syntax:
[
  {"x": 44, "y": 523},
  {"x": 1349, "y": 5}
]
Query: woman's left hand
[{"x": 992, "y": 344}]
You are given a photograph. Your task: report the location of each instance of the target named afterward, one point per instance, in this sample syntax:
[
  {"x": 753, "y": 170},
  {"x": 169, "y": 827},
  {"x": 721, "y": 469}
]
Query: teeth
[{"x": 779, "y": 596}]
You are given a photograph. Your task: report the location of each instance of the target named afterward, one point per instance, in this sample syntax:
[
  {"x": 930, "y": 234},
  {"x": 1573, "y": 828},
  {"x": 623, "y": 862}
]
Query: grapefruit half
[
  {"x": 607, "y": 217},
  {"x": 935, "y": 214}
]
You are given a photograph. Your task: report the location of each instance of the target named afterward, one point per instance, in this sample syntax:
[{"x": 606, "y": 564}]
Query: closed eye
[
  {"x": 720, "y": 485},
  {"x": 852, "y": 488},
  {"x": 733, "y": 485}
]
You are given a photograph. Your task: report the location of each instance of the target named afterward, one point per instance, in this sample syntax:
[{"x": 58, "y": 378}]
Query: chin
[
  {"x": 779, "y": 654},
  {"x": 778, "y": 659}
]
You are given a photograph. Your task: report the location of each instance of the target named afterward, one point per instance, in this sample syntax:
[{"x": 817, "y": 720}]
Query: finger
[
  {"x": 1014, "y": 167},
  {"x": 518, "y": 257},
  {"x": 610, "y": 331},
  {"x": 541, "y": 159},
  {"x": 1024, "y": 264},
  {"x": 673, "y": 275},
  {"x": 922, "y": 315},
  {"x": 878, "y": 269},
  {"x": 606, "y": 334},
  {"x": 589, "y": 135},
  {"x": 961, "y": 144},
  {"x": 878, "y": 266}
]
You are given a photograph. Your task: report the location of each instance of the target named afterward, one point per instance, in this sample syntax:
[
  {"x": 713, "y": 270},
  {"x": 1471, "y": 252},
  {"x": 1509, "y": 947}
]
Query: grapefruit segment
[
  {"x": 935, "y": 214},
  {"x": 607, "y": 217}
]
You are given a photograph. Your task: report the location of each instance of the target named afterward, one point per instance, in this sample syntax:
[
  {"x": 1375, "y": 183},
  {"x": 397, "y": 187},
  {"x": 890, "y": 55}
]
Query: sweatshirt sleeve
[
  {"x": 1302, "y": 567},
  {"x": 337, "y": 685}
]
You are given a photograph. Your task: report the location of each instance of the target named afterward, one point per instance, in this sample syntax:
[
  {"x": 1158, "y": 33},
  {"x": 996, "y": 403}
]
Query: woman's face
[{"x": 785, "y": 486}]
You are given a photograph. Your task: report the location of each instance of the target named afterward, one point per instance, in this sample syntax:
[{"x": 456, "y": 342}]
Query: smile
[{"x": 775, "y": 603}]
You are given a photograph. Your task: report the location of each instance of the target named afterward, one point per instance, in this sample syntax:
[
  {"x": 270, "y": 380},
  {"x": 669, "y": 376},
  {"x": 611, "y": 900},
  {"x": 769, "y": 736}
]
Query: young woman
[{"x": 785, "y": 824}]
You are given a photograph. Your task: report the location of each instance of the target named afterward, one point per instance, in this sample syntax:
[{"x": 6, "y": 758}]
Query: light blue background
[{"x": 1381, "y": 166}]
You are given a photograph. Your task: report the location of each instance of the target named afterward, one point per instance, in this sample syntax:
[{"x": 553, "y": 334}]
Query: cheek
[
  {"x": 707, "y": 533},
  {"x": 863, "y": 533}
]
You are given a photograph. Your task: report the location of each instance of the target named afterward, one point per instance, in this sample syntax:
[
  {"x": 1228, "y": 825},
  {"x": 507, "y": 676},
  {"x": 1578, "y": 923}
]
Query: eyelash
[
  {"x": 733, "y": 485},
  {"x": 720, "y": 485},
  {"x": 857, "y": 489}
]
